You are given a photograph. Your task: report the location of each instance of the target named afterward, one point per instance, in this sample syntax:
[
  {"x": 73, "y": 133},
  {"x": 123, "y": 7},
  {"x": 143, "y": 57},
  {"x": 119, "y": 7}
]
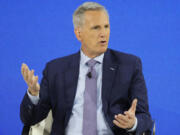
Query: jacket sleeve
[
  {"x": 138, "y": 90},
  {"x": 31, "y": 114}
]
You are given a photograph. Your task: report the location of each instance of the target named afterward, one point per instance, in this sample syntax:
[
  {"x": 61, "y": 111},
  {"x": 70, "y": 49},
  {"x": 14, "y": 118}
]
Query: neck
[{"x": 90, "y": 55}]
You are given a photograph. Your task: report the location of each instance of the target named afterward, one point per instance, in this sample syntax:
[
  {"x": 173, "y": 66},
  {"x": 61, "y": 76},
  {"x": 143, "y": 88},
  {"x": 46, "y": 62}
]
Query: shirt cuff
[
  {"x": 134, "y": 127},
  {"x": 34, "y": 99}
]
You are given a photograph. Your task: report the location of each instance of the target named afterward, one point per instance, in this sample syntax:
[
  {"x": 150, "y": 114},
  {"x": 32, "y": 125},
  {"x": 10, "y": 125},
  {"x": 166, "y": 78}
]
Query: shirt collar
[{"x": 85, "y": 58}]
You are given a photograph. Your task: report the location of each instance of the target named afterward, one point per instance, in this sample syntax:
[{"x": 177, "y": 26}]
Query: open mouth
[{"x": 103, "y": 42}]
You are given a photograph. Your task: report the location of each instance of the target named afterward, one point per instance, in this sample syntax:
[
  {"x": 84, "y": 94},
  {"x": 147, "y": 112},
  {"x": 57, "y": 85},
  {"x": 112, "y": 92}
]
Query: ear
[{"x": 77, "y": 32}]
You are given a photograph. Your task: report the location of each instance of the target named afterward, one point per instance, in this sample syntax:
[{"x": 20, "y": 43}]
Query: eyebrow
[{"x": 98, "y": 26}]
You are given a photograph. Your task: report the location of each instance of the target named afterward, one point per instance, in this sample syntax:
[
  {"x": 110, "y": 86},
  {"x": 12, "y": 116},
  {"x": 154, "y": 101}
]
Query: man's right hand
[{"x": 31, "y": 80}]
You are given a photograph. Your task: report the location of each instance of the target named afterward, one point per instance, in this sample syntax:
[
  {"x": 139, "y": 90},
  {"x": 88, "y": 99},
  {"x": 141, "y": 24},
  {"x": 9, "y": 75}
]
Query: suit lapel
[
  {"x": 71, "y": 79},
  {"x": 108, "y": 76}
]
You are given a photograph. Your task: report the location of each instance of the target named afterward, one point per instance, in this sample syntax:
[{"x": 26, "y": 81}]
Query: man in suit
[{"x": 119, "y": 103}]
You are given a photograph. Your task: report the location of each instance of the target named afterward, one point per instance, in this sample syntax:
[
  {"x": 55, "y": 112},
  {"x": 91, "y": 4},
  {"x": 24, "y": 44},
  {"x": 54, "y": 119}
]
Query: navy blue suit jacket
[{"x": 122, "y": 81}]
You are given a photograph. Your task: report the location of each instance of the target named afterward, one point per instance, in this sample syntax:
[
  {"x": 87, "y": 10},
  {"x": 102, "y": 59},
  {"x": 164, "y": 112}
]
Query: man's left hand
[{"x": 126, "y": 120}]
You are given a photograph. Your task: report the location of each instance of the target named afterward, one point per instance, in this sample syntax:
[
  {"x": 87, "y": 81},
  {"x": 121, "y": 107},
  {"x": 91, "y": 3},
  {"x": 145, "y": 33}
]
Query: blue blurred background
[{"x": 35, "y": 32}]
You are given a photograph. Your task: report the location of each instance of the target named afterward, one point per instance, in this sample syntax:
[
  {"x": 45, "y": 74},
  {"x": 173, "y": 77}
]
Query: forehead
[{"x": 96, "y": 17}]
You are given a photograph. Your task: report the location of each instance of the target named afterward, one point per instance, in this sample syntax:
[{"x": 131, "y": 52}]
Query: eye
[
  {"x": 96, "y": 27},
  {"x": 106, "y": 26}
]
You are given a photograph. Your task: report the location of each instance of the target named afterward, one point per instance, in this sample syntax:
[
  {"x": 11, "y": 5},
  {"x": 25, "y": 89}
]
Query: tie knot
[{"x": 91, "y": 63}]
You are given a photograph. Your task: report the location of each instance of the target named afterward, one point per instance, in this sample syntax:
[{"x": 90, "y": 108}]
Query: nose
[{"x": 102, "y": 33}]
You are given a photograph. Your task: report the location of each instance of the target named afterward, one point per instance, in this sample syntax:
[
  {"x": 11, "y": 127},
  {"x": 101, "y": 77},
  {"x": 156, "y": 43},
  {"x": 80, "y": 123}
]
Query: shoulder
[
  {"x": 64, "y": 59},
  {"x": 121, "y": 57},
  {"x": 62, "y": 62}
]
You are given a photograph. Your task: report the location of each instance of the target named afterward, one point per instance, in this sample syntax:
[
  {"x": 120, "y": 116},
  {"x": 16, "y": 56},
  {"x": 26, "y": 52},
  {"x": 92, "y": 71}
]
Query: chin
[{"x": 103, "y": 50}]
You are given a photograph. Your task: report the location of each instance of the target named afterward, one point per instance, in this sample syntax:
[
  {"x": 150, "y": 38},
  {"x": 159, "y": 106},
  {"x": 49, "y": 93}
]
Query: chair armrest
[{"x": 41, "y": 128}]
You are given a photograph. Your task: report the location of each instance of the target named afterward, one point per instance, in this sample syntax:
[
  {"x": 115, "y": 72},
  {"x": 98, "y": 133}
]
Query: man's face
[{"x": 94, "y": 34}]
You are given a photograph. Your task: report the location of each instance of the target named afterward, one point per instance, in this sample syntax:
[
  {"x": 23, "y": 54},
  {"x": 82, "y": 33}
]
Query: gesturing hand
[
  {"x": 126, "y": 120},
  {"x": 30, "y": 79}
]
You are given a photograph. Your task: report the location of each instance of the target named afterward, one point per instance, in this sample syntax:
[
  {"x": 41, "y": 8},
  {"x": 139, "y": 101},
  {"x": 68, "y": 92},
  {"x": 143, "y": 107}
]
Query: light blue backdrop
[{"x": 35, "y": 32}]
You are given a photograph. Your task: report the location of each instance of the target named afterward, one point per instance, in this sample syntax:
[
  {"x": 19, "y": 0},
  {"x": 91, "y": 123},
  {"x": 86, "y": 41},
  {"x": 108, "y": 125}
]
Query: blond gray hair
[{"x": 78, "y": 16}]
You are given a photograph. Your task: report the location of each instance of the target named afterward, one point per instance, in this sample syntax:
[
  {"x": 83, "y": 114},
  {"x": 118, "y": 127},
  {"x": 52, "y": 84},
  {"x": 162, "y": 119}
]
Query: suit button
[{"x": 29, "y": 107}]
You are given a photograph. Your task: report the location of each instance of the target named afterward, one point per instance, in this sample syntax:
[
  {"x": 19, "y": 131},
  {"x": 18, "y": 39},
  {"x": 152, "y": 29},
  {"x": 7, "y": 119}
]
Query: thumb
[
  {"x": 38, "y": 86},
  {"x": 133, "y": 106}
]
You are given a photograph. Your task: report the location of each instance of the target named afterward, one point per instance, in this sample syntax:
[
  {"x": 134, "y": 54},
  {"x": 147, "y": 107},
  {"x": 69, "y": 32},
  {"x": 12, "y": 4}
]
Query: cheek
[
  {"x": 93, "y": 38},
  {"x": 108, "y": 33}
]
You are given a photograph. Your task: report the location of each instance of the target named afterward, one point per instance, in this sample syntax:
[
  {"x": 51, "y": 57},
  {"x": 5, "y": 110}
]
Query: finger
[
  {"x": 28, "y": 72},
  {"x": 36, "y": 79},
  {"x": 31, "y": 76},
  {"x": 22, "y": 69},
  {"x": 129, "y": 114},
  {"x": 38, "y": 86},
  {"x": 26, "y": 66},
  {"x": 121, "y": 125},
  {"x": 133, "y": 106},
  {"x": 25, "y": 74},
  {"x": 121, "y": 117},
  {"x": 35, "y": 83}
]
